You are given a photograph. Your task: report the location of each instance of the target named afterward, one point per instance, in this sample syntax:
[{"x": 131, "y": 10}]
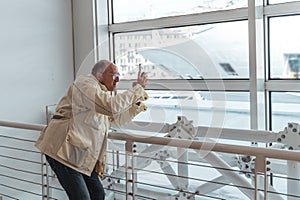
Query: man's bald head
[
  {"x": 106, "y": 73},
  {"x": 100, "y": 66}
]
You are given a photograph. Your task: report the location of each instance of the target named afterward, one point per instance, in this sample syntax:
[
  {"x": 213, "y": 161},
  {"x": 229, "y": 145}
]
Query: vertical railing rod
[
  {"x": 128, "y": 169},
  {"x": 44, "y": 179},
  {"x": 260, "y": 167}
]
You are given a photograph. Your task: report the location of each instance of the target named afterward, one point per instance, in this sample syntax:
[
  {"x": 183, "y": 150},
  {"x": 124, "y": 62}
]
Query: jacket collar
[{"x": 103, "y": 87}]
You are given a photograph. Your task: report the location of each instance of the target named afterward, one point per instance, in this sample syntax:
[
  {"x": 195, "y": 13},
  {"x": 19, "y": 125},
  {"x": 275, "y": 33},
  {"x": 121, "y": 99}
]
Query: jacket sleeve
[
  {"x": 120, "y": 103},
  {"x": 125, "y": 117},
  {"x": 90, "y": 96}
]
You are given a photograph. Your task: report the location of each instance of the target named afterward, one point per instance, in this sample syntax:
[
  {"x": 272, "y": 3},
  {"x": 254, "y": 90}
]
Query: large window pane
[
  {"x": 284, "y": 47},
  {"x": 285, "y": 108},
  {"x": 213, "y": 51},
  {"x": 150, "y": 9},
  {"x": 213, "y": 109}
]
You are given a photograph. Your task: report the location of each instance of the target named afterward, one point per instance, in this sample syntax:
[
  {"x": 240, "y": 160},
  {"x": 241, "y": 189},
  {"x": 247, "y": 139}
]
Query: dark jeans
[{"x": 77, "y": 185}]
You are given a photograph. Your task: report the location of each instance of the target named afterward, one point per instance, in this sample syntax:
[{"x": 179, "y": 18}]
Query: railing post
[
  {"x": 45, "y": 181},
  {"x": 129, "y": 171},
  {"x": 260, "y": 174}
]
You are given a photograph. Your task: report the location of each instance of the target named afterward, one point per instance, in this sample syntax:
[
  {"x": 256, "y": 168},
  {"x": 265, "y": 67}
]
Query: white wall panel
[{"x": 36, "y": 56}]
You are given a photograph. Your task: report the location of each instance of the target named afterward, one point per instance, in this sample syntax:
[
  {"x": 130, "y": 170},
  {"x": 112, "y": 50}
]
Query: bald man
[{"x": 75, "y": 140}]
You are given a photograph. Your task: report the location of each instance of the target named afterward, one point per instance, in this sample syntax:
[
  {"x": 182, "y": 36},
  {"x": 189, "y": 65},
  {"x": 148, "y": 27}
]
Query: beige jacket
[{"x": 78, "y": 139}]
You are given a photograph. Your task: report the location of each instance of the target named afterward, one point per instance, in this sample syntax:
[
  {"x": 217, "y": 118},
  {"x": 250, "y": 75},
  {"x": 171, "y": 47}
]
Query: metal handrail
[
  {"x": 198, "y": 145},
  {"x": 206, "y": 146},
  {"x": 35, "y": 127}
]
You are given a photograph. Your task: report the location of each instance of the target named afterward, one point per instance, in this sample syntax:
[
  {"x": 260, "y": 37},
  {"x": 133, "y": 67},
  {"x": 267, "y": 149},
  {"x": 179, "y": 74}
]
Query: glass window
[
  {"x": 213, "y": 51},
  {"x": 284, "y": 47},
  {"x": 204, "y": 108},
  {"x": 150, "y": 9},
  {"x": 285, "y": 108}
]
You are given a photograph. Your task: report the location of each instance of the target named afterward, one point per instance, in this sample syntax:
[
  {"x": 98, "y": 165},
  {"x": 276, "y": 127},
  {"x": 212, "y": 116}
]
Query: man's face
[{"x": 110, "y": 77}]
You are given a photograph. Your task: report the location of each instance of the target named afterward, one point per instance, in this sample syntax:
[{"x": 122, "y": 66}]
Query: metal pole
[
  {"x": 260, "y": 170},
  {"x": 45, "y": 178},
  {"x": 128, "y": 171}
]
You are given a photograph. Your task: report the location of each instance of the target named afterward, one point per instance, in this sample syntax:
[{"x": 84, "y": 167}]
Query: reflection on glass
[
  {"x": 195, "y": 52},
  {"x": 280, "y": 1},
  {"x": 284, "y": 47},
  {"x": 214, "y": 109},
  {"x": 285, "y": 108},
  {"x": 149, "y": 9}
]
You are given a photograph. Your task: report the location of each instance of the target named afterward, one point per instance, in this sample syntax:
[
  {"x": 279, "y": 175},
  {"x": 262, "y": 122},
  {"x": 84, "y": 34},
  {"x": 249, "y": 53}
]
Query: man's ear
[{"x": 99, "y": 76}]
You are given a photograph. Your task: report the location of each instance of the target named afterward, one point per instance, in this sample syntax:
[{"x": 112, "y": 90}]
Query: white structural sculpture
[{"x": 246, "y": 178}]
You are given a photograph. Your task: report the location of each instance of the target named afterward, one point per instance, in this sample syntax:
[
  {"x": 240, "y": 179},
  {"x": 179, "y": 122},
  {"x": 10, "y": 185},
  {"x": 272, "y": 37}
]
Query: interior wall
[
  {"x": 36, "y": 55},
  {"x": 84, "y": 36}
]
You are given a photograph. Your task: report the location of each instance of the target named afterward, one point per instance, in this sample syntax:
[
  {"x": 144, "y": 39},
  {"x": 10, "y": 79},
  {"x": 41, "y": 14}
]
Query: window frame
[{"x": 259, "y": 85}]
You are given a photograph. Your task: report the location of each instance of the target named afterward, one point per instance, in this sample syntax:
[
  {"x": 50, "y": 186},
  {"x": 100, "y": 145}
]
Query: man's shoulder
[
  {"x": 89, "y": 81},
  {"x": 86, "y": 79}
]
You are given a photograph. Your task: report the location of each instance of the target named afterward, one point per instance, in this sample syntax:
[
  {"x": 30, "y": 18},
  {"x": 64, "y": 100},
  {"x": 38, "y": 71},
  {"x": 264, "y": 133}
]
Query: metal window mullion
[
  {"x": 183, "y": 20},
  {"x": 95, "y": 30},
  {"x": 110, "y": 13},
  {"x": 253, "y": 65},
  {"x": 283, "y": 85},
  {"x": 290, "y": 8},
  {"x": 103, "y": 18},
  {"x": 268, "y": 114},
  {"x": 194, "y": 85}
]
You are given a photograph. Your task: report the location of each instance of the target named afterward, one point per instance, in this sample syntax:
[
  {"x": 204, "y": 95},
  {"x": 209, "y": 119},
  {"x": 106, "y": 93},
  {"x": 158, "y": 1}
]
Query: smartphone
[{"x": 140, "y": 70}]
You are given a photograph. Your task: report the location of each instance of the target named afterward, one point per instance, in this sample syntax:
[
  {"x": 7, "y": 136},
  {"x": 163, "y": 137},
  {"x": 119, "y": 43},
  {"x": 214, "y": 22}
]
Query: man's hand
[{"x": 141, "y": 79}]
